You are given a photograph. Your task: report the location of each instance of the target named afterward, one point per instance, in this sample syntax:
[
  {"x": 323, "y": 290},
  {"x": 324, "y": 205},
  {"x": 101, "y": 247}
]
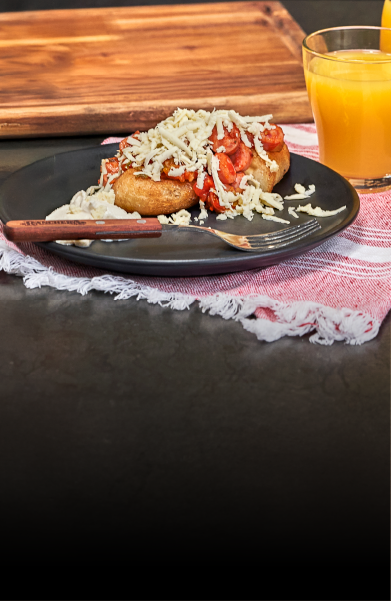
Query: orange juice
[
  {"x": 386, "y": 16},
  {"x": 350, "y": 95},
  {"x": 385, "y": 43}
]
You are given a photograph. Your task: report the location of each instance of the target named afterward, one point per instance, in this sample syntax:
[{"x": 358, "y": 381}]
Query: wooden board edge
[
  {"x": 137, "y": 11},
  {"x": 290, "y": 31},
  {"x": 126, "y": 117}
]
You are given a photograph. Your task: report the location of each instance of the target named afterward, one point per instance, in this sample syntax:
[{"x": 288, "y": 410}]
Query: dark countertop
[{"x": 178, "y": 436}]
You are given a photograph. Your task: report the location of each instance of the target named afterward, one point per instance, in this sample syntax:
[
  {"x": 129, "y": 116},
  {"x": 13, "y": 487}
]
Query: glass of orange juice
[
  {"x": 386, "y": 16},
  {"x": 386, "y": 22},
  {"x": 348, "y": 77}
]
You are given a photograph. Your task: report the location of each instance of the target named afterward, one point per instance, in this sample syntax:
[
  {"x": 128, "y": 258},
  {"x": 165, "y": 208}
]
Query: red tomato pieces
[
  {"x": 207, "y": 185},
  {"x": 213, "y": 204},
  {"x": 112, "y": 166},
  {"x": 272, "y": 139},
  {"x": 241, "y": 159},
  {"x": 226, "y": 170},
  {"x": 124, "y": 143},
  {"x": 230, "y": 141}
]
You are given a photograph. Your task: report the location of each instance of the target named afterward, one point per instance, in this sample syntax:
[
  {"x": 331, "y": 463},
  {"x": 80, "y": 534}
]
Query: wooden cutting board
[{"x": 113, "y": 70}]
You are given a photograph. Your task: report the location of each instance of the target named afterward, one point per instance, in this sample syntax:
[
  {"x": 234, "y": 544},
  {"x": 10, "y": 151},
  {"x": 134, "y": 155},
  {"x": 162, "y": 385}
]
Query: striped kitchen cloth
[{"x": 339, "y": 291}]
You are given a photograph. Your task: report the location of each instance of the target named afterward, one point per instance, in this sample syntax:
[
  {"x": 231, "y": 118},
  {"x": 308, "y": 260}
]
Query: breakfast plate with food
[{"x": 218, "y": 170}]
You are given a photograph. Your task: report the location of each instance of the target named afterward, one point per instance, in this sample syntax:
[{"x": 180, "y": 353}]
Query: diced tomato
[
  {"x": 226, "y": 170},
  {"x": 207, "y": 185},
  {"x": 213, "y": 204},
  {"x": 112, "y": 166},
  {"x": 230, "y": 141},
  {"x": 272, "y": 139},
  {"x": 124, "y": 143},
  {"x": 242, "y": 158}
]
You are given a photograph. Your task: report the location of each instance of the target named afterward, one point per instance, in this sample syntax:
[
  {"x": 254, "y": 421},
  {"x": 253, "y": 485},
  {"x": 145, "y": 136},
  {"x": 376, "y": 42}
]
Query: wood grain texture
[
  {"x": 38, "y": 230},
  {"x": 113, "y": 70}
]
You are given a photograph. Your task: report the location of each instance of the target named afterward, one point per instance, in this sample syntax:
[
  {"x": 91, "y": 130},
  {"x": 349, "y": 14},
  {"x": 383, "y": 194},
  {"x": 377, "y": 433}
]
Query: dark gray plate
[{"x": 36, "y": 190}]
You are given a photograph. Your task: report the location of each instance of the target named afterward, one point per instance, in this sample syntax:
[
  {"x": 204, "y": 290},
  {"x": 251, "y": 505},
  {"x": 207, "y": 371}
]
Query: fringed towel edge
[{"x": 292, "y": 319}]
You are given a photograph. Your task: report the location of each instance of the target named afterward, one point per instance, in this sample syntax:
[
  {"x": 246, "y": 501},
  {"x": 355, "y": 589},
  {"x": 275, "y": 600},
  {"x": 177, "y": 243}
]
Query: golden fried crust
[
  {"x": 261, "y": 172},
  {"x": 142, "y": 194},
  {"x": 147, "y": 197}
]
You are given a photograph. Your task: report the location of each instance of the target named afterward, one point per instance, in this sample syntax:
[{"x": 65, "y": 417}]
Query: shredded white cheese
[
  {"x": 184, "y": 137},
  {"x": 274, "y": 218},
  {"x": 90, "y": 204},
  {"x": 317, "y": 211},
  {"x": 292, "y": 212},
  {"x": 302, "y": 193},
  {"x": 182, "y": 217},
  {"x": 203, "y": 212}
]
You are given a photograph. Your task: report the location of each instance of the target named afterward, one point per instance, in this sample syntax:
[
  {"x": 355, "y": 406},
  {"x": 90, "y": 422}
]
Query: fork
[{"x": 40, "y": 230}]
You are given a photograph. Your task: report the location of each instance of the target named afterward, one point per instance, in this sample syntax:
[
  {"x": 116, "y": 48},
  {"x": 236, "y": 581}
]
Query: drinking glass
[
  {"x": 386, "y": 16},
  {"x": 386, "y": 22},
  {"x": 348, "y": 77}
]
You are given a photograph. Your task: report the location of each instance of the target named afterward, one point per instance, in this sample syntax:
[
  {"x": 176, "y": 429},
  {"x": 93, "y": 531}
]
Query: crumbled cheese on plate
[
  {"x": 182, "y": 217},
  {"x": 317, "y": 211},
  {"x": 274, "y": 218},
  {"x": 292, "y": 212},
  {"x": 302, "y": 193},
  {"x": 93, "y": 203}
]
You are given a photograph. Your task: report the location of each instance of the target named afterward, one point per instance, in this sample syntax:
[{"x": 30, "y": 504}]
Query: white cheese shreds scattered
[
  {"x": 299, "y": 189},
  {"x": 317, "y": 211},
  {"x": 182, "y": 217},
  {"x": 272, "y": 200},
  {"x": 302, "y": 193},
  {"x": 292, "y": 212},
  {"x": 274, "y": 218},
  {"x": 90, "y": 205},
  {"x": 203, "y": 213},
  {"x": 221, "y": 217}
]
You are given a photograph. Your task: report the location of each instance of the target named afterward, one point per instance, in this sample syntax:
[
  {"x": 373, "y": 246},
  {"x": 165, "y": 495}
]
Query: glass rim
[{"x": 342, "y": 28}]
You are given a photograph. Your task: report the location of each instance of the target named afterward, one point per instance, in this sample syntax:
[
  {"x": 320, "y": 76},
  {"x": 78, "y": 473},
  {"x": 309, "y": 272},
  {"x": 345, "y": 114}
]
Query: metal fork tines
[
  {"x": 275, "y": 240},
  {"x": 296, "y": 232}
]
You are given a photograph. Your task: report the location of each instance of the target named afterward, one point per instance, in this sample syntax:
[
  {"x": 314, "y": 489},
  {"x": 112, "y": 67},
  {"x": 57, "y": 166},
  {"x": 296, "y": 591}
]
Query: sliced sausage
[
  {"x": 241, "y": 159},
  {"x": 213, "y": 203},
  {"x": 207, "y": 185},
  {"x": 230, "y": 141},
  {"x": 226, "y": 171}
]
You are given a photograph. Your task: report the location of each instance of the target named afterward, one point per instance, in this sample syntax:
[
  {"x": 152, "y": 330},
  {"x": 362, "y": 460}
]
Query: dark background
[
  {"x": 132, "y": 435},
  {"x": 311, "y": 14}
]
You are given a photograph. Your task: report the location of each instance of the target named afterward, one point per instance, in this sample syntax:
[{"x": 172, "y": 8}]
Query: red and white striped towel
[{"x": 341, "y": 290}]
